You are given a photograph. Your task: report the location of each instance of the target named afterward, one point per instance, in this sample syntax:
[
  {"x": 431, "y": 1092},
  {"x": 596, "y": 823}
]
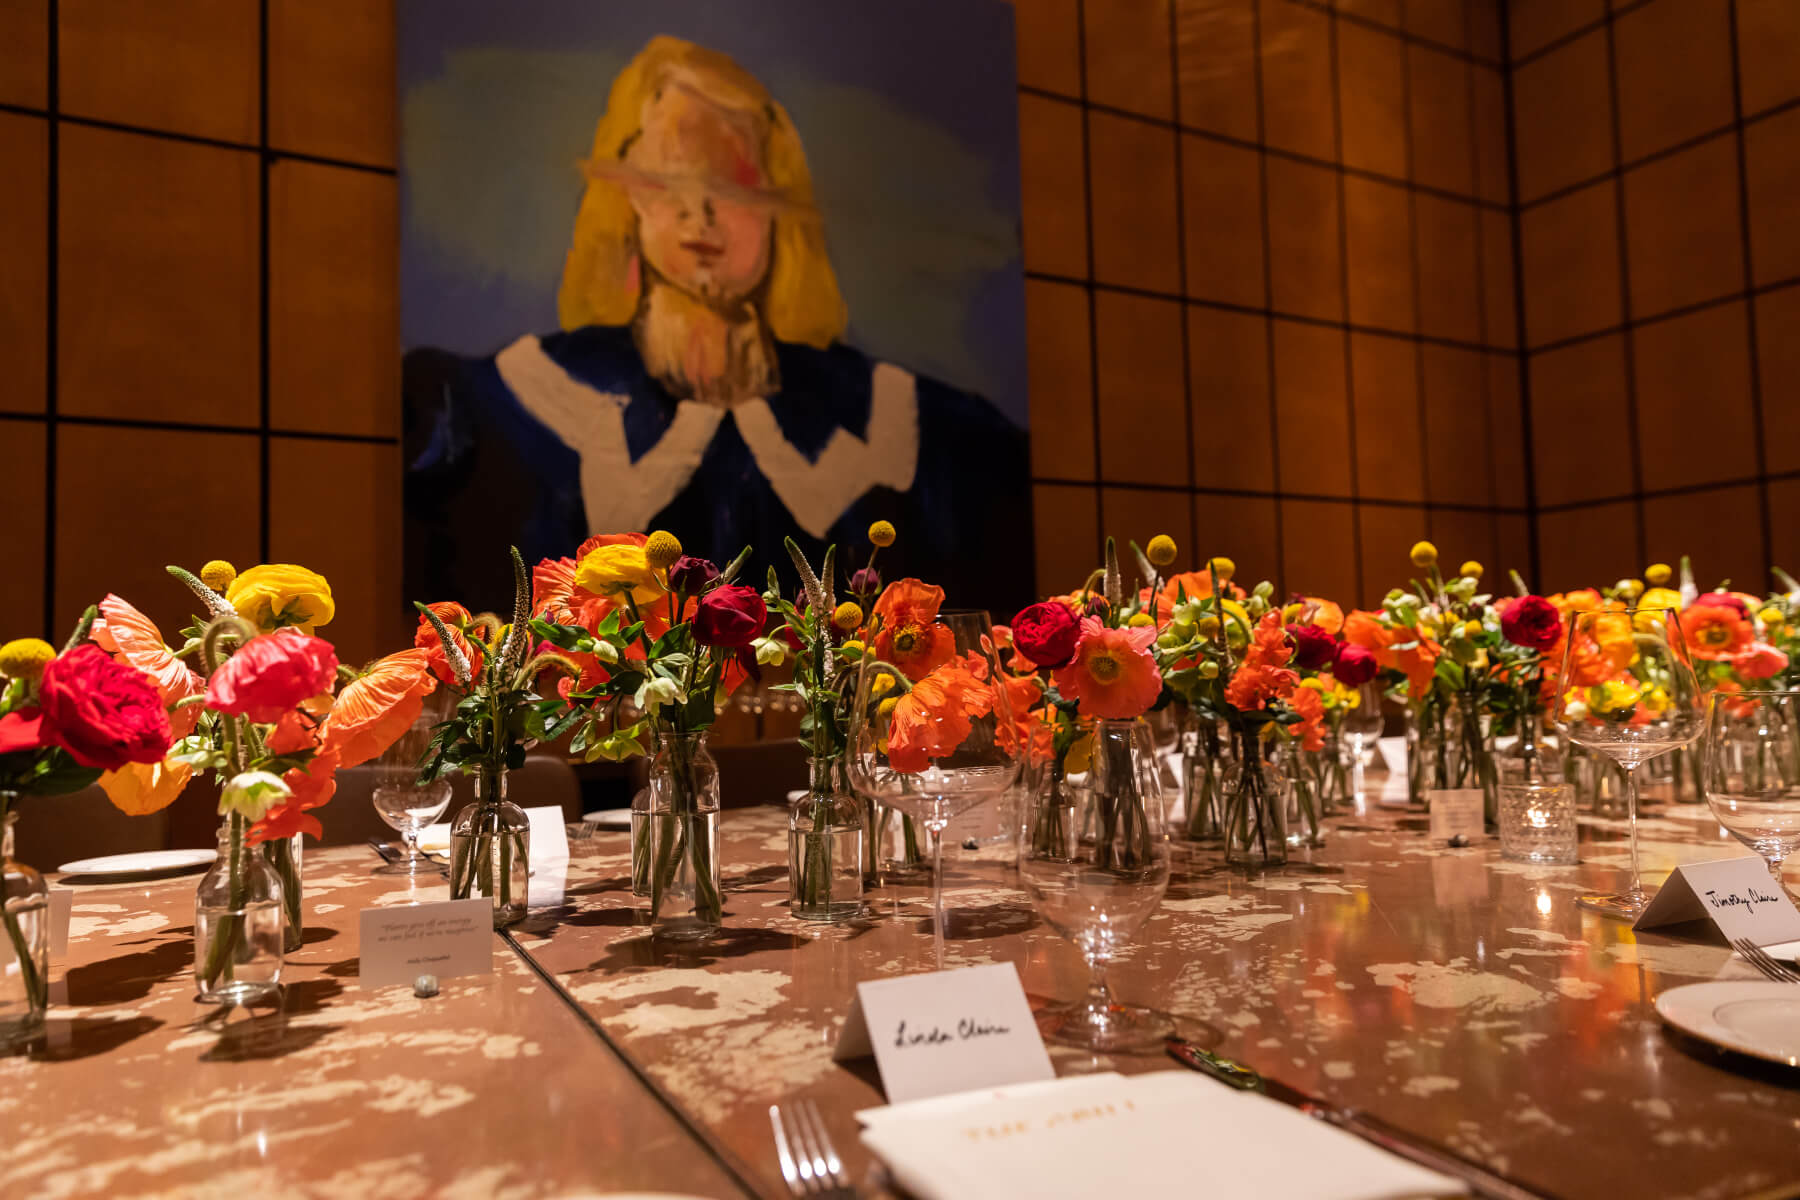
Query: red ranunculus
[
  {"x": 689, "y": 574},
  {"x": 1722, "y": 600},
  {"x": 1313, "y": 647},
  {"x": 1355, "y": 665},
  {"x": 104, "y": 713},
  {"x": 730, "y": 617},
  {"x": 270, "y": 675},
  {"x": 1532, "y": 622},
  {"x": 21, "y": 730},
  {"x": 1047, "y": 634}
]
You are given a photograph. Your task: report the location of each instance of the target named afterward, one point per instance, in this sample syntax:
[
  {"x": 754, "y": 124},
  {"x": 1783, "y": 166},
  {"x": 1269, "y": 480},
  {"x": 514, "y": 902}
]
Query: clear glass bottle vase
[
  {"x": 1307, "y": 787},
  {"x": 1256, "y": 804},
  {"x": 238, "y": 923},
  {"x": 490, "y": 842},
  {"x": 825, "y": 846},
  {"x": 1205, "y": 757},
  {"x": 283, "y": 857},
  {"x": 1430, "y": 729},
  {"x": 686, "y": 899},
  {"x": 894, "y": 847},
  {"x": 25, "y": 981}
]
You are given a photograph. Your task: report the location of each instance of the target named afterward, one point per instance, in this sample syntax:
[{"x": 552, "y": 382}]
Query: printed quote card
[{"x": 445, "y": 938}]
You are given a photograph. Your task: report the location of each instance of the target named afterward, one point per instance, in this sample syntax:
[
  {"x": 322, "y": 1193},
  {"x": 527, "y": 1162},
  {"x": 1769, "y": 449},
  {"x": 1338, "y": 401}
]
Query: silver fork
[
  {"x": 1770, "y": 966},
  {"x": 809, "y": 1162}
]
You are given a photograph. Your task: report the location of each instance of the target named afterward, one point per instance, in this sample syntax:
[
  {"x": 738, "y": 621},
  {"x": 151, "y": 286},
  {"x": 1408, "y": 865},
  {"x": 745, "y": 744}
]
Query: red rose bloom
[
  {"x": 1313, "y": 647},
  {"x": 104, "y": 713},
  {"x": 1354, "y": 665},
  {"x": 730, "y": 617},
  {"x": 1531, "y": 622},
  {"x": 269, "y": 676},
  {"x": 1047, "y": 634}
]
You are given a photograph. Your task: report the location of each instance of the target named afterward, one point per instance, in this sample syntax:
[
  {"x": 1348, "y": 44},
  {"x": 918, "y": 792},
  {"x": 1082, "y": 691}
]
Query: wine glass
[
  {"x": 1357, "y": 736},
  {"x": 402, "y": 801},
  {"x": 1627, "y": 690},
  {"x": 1095, "y": 862},
  {"x": 936, "y": 745},
  {"x": 1751, "y": 765}
]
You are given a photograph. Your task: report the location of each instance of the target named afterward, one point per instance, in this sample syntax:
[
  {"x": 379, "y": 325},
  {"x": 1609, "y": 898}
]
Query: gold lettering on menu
[{"x": 1056, "y": 1120}]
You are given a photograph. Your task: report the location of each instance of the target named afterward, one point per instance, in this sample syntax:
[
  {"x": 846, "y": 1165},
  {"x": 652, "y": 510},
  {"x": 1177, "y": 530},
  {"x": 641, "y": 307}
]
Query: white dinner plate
[
  {"x": 608, "y": 818},
  {"x": 1759, "y": 1018},
  {"x": 150, "y": 862}
]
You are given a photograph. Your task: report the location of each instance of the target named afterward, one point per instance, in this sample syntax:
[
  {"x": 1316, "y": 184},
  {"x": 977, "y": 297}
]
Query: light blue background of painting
[{"x": 908, "y": 112}]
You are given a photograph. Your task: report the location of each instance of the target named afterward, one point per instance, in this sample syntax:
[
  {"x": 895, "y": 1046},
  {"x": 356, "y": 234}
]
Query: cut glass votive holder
[{"x": 1537, "y": 823}]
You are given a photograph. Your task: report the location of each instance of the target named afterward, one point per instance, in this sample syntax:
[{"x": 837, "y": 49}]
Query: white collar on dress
[{"x": 619, "y": 494}]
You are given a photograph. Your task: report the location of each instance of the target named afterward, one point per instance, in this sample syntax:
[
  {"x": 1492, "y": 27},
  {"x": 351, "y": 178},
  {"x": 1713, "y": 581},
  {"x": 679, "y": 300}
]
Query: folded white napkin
[{"x": 1168, "y": 1133}]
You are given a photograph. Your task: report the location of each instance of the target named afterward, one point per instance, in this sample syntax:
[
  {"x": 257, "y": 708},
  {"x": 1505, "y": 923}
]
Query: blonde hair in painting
[{"x": 601, "y": 279}]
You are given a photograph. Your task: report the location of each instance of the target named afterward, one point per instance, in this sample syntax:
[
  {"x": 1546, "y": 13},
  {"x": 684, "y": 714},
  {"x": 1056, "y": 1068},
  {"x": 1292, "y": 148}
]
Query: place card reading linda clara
[
  {"x": 444, "y": 938},
  {"x": 945, "y": 1031},
  {"x": 1457, "y": 811},
  {"x": 1735, "y": 893}
]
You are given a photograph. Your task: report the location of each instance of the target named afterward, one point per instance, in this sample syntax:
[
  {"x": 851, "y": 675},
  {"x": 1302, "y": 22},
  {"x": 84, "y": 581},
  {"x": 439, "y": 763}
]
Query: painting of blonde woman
[{"x": 741, "y": 272}]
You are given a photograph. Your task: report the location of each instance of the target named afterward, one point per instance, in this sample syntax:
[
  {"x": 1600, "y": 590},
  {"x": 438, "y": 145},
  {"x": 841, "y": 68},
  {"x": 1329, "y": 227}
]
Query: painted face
[{"x": 697, "y": 185}]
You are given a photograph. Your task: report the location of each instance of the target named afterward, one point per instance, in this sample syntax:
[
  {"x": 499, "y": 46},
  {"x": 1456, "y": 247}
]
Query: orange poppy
[
  {"x": 137, "y": 789},
  {"x": 1362, "y": 628},
  {"x": 909, "y": 635},
  {"x": 1195, "y": 585},
  {"x": 1715, "y": 632},
  {"x": 1326, "y": 614},
  {"x": 127, "y": 633},
  {"x": 1113, "y": 675},
  {"x": 935, "y": 717},
  {"x": 375, "y": 709}
]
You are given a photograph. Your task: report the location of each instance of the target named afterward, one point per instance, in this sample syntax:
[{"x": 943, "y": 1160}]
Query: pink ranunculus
[
  {"x": 1760, "y": 661},
  {"x": 270, "y": 675},
  {"x": 104, "y": 713}
]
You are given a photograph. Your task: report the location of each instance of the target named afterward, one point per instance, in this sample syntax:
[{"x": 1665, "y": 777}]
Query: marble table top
[
  {"x": 493, "y": 1088},
  {"x": 1453, "y": 993}
]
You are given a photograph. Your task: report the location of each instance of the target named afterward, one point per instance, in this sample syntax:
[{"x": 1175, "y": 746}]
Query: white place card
[
  {"x": 549, "y": 836},
  {"x": 444, "y": 938},
  {"x": 1457, "y": 811},
  {"x": 62, "y": 904},
  {"x": 1736, "y": 894},
  {"x": 945, "y": 1032}
]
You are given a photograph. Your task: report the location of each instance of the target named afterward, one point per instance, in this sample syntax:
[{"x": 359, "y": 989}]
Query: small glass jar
[
  {"x": 1256, "y": 804},
  {"x": 238, "y": 920},
  {"x": 490, "y": 842},
  {"x": 25, "y": 977},
  {"x": 686, "y": 898},
  {"x": 1537, "y": 823},
  {"x": 825, "y": 847}
]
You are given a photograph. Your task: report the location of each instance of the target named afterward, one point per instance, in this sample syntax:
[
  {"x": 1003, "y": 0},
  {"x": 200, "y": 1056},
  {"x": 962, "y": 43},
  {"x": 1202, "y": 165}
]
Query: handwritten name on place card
[
  {"x": 1735, "y": 893},
  {"x": 946, "y": 1031},
  {"x": 446, "y": 939},
  {"x": 1457, "y": 811}
]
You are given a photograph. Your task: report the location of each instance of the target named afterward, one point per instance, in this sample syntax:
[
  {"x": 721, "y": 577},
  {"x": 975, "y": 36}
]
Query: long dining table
[{"x": 1460, "y": 996}]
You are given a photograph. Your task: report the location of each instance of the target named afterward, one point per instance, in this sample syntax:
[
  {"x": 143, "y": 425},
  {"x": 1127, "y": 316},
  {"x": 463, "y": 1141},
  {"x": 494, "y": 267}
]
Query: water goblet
[{"x": 1751, "y": 770}]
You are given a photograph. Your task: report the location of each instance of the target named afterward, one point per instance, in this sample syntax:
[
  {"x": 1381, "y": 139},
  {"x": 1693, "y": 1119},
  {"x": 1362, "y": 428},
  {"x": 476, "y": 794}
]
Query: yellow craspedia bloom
[
  {"x": 1631, "y": 589},
  {"x": 1207, "y": 626},
  {"x": 1424, "y": 554},
  {"x": 881, "y": 684},
  {"x": 278, "y": 595},
  {"x": 1472, "y": 629},
  {"x": 218, "y": 575},
  {"x": 848, "y": 616},
  {"x": 853, "y": 646},
  {"x": 1772, "y": 616},
  {"x": 1472, "y": 569},
  {"x": 661, "y": 550},
  {"x": 620, "y": 570},
  {"x": 1657, "y": 574},
  {"x": 1139, "y": 620},
  {"x": 25, "y": 658},
  {"x": 882, "y": 533},
  {"x": 1161, "y": 550},
  {"x": 886, "y": 707},
  {"x": 1222, "y": 568}
]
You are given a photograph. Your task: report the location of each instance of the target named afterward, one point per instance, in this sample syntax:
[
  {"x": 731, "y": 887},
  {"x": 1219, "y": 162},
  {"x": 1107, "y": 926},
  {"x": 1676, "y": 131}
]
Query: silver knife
[
  {"x": 387, "y": 852},
  {"x": 1371, "y": 1129}
]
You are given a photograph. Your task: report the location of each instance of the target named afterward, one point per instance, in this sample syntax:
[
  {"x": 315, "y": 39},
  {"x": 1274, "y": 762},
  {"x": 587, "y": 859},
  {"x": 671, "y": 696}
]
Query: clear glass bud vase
[
  {"x": 1308, "y": 788},
  {"x": 1256, "y": 803},
  {"x": 686, "y": 900},
  {"x": 640, "y": 842},
  {"x": 1430, "y": 729},
  {"x": 283, "y": 857},
  {"x": 1205, "y": 755},
  {"x": 238, "y": 919},
  {"x": 489, "y": 851},
  {"x": 25, "y": 983},
  {"x": 825, "y": 846}
]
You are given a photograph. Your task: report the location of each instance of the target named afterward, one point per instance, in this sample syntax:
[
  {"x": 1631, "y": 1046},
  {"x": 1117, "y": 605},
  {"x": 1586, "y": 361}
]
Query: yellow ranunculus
[
  {"x": 1614, "y": 696},
  {"x": 1660, "y": 597},
  {"x": 1656, "y": 700},
  {"x": 277, "y": 595},
  {"x": 619, "y": 570}
]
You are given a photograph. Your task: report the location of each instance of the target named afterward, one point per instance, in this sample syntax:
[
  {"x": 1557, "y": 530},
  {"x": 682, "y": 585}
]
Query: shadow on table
[
  {"x": 126, "y": 977},
  {"x": 85, "y": 1037},
  {"x": 651, "y": 951}
]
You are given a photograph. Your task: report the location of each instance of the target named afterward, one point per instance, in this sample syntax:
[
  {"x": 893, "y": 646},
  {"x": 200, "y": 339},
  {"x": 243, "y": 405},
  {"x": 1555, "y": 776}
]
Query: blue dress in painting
[{"x": 556, "y": 438}]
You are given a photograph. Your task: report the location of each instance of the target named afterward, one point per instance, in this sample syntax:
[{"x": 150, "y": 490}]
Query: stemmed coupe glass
[
  {"x": 937, "y": 745},
  {"x": 1751, "y": 768},
  {"x": 402, "y": 801},
  {"x": 1627, "y": 690}
]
